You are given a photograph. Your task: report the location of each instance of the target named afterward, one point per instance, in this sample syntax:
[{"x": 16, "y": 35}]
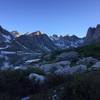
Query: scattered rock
[
  {"x": 70, "y": 56},
  {"x": 64, "y": 63},
  {"x": 89, "y": 61},
  {"x": 96, "y": 66},
  {"x": 51, "y": 68},
  {"x": 63, "y": 71},
  {"x": 40, "y": 79},
  {"x": 78, "y": 69},
  {"x": 71, "y": 70}
]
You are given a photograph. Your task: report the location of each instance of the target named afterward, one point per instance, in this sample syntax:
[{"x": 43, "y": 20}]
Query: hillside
[{"x": 35, "y": 67}]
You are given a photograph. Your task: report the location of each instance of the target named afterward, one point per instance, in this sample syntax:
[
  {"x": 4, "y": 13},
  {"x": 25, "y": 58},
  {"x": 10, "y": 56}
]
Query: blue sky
[{"x": 50, "y": 16}]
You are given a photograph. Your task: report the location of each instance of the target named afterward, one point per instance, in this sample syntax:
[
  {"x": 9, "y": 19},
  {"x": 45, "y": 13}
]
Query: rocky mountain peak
[
  {"x": 37, "y": 33},
  {"x": 1, "y": 29},
  {"x": 90, "y": 33},
  {"x": 15, "y": 33},
  {"x": 74, "y": 36},
  {"x": 93, "y": 34},
  {"x": 4, "y": 31},
  {"x": 98, "y": 26},
  {"x": 5, "y": 37},
  {"x": 54, "y": 35}
]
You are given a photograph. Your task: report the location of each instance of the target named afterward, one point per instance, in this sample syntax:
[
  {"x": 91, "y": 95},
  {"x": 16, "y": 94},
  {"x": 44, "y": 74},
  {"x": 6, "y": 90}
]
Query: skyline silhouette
[{"x": 50, "y": 16}]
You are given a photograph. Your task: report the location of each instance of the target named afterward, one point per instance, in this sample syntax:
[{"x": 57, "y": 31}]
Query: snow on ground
[
  {"x": 26, "y": 98},
  {"x": 20, "y": 67},
  {"x": 7, "y": 38},
  {"x": 7, "y": 46},
  {"x": 7, "y": 52},
  {"x": 32, "y": 61}
]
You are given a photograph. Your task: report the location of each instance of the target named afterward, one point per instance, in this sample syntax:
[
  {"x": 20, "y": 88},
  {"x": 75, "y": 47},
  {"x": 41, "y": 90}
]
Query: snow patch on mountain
[
  {"x": 7, "y": 38},
  {"x": 7, "y": 46},
  {"x": 67, "y": 41},
  {"x": 7, "y": 52}
]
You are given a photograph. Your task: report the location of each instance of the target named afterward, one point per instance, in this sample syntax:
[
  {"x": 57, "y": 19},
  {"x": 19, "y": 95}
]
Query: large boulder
[
  {"x": 51, "y": 68},
  {"x": 63, "y": 71},
  {"x": 70, "y": 56},
  {"x": 63, "y": 63},
  {"x": 36, "y": 78},
  {"x": 96, "y": 66},
  {"x": 71, "y": 70},
  {"x": 78, "y": 69},
  {"x": 89, "y": 61}
]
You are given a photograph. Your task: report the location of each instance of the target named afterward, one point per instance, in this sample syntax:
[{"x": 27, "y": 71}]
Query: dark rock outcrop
[
  {"x": 5, "y": 37},
  {"x": 93, "y": 35}
]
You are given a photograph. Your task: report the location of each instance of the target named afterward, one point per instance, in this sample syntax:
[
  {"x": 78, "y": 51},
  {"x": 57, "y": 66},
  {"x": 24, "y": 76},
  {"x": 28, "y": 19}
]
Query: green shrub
[
  {"x": 35, "y": 70},
  {"x": 90, "y": 50},
  {"x": 15, "y": 83},
  {"x": 84, "y": 86}
]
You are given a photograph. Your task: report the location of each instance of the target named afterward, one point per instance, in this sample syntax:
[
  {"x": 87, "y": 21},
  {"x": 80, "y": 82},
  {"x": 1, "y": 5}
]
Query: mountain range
[{"x": 15, "y": 49}]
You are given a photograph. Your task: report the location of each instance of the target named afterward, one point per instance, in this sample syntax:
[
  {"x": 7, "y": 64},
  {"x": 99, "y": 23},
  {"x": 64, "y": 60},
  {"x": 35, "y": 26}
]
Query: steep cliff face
[
  {"x": 5, "y": 38},
  {"x": 97, "y": 33},
  {"x": 93, "y": 35}
]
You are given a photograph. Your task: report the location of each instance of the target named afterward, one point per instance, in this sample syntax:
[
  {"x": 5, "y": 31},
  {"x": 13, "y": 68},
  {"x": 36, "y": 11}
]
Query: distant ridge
[{"x": 15, "y": 49}]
